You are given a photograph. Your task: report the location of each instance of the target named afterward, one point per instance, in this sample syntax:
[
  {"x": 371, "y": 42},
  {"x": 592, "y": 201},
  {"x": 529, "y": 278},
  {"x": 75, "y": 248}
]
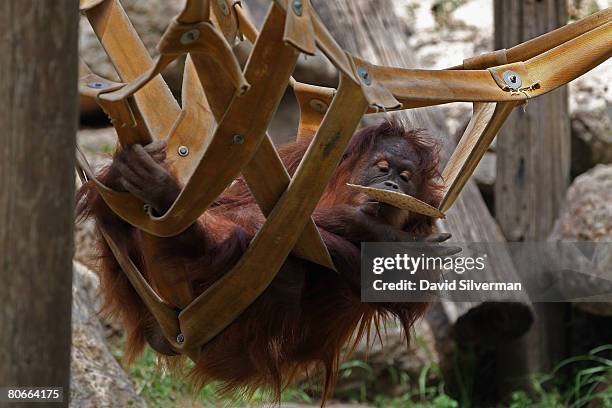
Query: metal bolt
[
  {"x": 97, "y": 85},
  {"x": 297, "y": 7},
  {"x": 182, "y": 151},
  {"x": 190, "y": 36},
  {"x": 364, "y": 75},
  {"x": 238, "y": 139},
  {"x": 512, "y": 79},
  {"x": 223, "y": 7},
  {"x": 180, "y": 339},
  {"x": 318, "y": 105}
]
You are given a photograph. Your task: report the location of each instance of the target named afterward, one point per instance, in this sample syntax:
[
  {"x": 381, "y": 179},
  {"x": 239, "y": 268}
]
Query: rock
[
  {"x": 85, "y": 244},
  {"x": 578, "y": 9},
  {"x": 97, "y": 144},
  {"x": 380, "y": 367},
  {"x": 587, "y": 216},
  {"x": 444, "y": 33},
  {"x": 590, "y": 103},
  {"x": 486, "y": 171},
  {"x": 96, "y": 378}
]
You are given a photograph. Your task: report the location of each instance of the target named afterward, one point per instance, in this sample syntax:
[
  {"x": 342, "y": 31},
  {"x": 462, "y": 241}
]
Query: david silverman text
[{"x": 463, "y": 284}]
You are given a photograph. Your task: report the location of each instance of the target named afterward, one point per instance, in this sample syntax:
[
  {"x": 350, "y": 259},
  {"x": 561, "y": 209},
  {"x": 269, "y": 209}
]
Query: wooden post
[
  {"x": 38, "y": 122},
  {"x": 533, "y": 162},
  {"x": 534, "y": 145}
]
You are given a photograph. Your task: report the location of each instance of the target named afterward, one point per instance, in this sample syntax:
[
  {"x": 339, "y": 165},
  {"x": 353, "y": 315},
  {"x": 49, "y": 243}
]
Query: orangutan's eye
[
  {"x": 405, "y": 175},
  {"x": 383, "y": 165}
]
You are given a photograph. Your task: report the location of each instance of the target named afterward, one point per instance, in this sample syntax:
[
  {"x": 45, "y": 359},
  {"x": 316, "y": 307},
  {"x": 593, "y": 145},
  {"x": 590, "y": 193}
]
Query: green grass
[
  {"x": 425, "y": 391},
  {"x": 160, "y": 389},
  {"x": 574, "y": 383}
]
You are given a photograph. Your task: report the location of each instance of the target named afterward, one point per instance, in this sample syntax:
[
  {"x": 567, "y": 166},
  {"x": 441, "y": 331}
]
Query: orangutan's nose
[{"x": 391, "y": 184}]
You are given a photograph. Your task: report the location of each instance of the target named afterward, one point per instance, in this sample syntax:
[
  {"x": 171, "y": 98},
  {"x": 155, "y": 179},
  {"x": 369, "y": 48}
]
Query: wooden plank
[
  {"x": 194, "y": 127},
  {"x": 268, "y": 179},
  {"x": 540, "y": 44},
  {"x": 299, "y": 31},
  {"x": 551, "y": 39},
  {"x": 155, "y": 109},
  {"x": 265, "y": 174},
  {"x": 415, "y": 88},
  {"x": 236, "y": 139},
  {"x": 165, "y": 315},
  {"x": 224, "y": 18},
  {"x": 486, "y": 121},
  {"x": 237, "y": 289},
  {"x": 124, "y": 115},
  {"x": 130, "y": 58},
  {"x": 313, "y": 102},
  {"x": 533, "y": 161}
]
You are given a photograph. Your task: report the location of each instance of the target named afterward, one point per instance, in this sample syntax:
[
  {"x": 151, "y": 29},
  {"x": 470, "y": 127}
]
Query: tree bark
[
  {"x": 533, "y": 164},
  {"x": 38, "y": 88}
]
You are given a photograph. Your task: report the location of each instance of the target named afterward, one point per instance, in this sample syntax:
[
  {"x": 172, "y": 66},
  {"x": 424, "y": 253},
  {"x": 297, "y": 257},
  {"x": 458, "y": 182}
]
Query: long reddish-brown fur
[{"x": 305, "y": 317}]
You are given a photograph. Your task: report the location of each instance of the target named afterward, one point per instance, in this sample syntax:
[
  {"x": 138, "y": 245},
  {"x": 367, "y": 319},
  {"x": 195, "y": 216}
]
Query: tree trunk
[
  {"x": 38, "y": 86},
  {"x": 533, "y": 163}
]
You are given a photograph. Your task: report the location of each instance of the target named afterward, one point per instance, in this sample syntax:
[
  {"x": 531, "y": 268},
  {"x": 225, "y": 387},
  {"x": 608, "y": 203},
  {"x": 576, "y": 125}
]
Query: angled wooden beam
[
  {"x": 265, "y": 174},
  {"x": 238, "y": 288},
  {"x": 412, "y": 88},
  {"x": 537, "y": 45},
  {"x": 486, "y": 121},
  {"x": 152, "y": 110},
  {"x": 130, "y": 58},
  {"x": 236, "y": 139},
  {"x": 193, "y": 128},
  {"x": 166, "y": 316}
]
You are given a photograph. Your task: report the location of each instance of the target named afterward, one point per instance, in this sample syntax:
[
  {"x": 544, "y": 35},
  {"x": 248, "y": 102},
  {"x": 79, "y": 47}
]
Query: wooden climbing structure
[{"x": 219, "y": 131}]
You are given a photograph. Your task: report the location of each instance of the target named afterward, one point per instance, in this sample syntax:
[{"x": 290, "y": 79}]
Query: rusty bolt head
[
  {"x": 190, "y": 36},
  {"x": 97, "y": 85},
  {"x": 238, "y": 139},
  {"x": 297, "y": 7},
  {"x": 364, "y": 75},
  {"x": 182, "y": 151}
]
